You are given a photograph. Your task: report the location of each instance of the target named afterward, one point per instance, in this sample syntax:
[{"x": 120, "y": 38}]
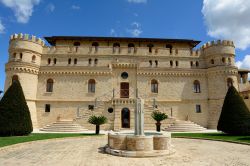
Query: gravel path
[{"x": 87, "y": 152}]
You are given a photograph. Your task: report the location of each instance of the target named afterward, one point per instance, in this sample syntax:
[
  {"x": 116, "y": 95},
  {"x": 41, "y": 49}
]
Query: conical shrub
[
  {"x": 14, "y": 113},
  {"x": 235, "y": 116}
]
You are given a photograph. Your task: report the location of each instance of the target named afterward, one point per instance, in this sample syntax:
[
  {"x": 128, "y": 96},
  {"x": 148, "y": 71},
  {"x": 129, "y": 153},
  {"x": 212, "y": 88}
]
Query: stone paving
[{"x": 87, "y": 151}]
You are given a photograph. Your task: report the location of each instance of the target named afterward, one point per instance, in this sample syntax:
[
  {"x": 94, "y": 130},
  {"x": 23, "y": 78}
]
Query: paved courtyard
[{"x": 87, "y": 151}]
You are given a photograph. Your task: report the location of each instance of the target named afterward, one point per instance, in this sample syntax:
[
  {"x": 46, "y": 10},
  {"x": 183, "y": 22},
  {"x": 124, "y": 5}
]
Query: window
[
  {"x": 176, "y": 63},
  {"x": 33, "y": 58},
  {"x": 49, "y": 61},
  {"x": 91, "y": 86},
  {"x": 47, "y": 107},
  {"x": 229, "y": 82},
  {"x": 69, "y": 61},
  {"x": 96, "y": 61},
  {"x": 154, "y": 86},
  {"x": 156, "y": 63},
  {"x": 197, "y": 64},
  {"x": 223, "y": 60},
  {"x": 130, "y": 47},
  {"x": 14, "y": 78},
  {"x": 198, "y": 108},
  {"x": 212, "y": 61},
  {"x": 124, "y": 75},
  {"x": 90, "y": 60},
  {"x": 191, "y": 63},
  {"x": 21, "y": 55},
  {"x": 54, "y": 60},
  {"x": 197, "y": 87},
  {"x": 110, "y": 110},
  {"x": 150, "y": 46},
  {"x": 95, "y": 46},
  {"x": 49, "y": 86},
  {"x": 170, "y": 47},
  {"x": 116, "y": 46},
  {"x": 75, "y": 61},
  {"x": 76, "y": 44},
  {"x": 150, "y": 63},
  {"x": 171, "y": 63}
]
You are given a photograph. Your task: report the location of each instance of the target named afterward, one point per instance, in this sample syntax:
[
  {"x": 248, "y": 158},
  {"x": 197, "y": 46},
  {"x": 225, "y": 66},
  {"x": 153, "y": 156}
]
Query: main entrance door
[
  {"x": 125, "y": 118},
  {"x": 124, "y": 90}
]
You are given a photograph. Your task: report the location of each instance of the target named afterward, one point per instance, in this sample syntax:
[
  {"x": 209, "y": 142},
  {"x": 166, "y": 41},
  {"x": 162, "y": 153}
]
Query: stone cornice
[
  {"x": 22, "y": 67},
  {"x": 77, "y": 72}
]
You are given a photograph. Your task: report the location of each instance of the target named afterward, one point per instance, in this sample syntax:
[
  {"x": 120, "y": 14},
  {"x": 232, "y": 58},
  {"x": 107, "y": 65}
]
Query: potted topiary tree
[
  {"x": 97, "y": 120},
  {"x": 158, "y": 117}
]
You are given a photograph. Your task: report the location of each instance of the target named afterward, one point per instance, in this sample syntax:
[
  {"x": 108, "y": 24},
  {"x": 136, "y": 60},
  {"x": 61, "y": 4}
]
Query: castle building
[{"x": 73, "y": 77}]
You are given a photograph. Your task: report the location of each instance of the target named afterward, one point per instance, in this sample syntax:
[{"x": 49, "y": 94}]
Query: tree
[
  {"x": 97, "y": 120},
  {"x": 235, "y": 116},
  {"x": 14, "y": 113},
  {"x": 158, "y": 117}
]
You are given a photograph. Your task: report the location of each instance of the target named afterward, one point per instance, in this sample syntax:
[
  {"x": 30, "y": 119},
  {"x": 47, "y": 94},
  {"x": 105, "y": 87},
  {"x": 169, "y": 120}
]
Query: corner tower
[
  {"x": 221, "y": 73},
  {"x": 23, "y": 64}
]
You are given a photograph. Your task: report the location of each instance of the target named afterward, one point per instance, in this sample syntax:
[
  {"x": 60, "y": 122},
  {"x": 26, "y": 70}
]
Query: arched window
[
  {"x": 156, "y": 63},
  {"x": 33, "y": 58},
  {"x": 14, "y": 78},
  {"x": 69, "y": 61},
  {"x": 223, "y": 60},
  {"x": 54, "y": 60},
  {"x": 191, "y": 63},
  {"x": 171, "y": 63},
  {"x": 150, "y": 63},
  {"x": 116, "y": 46},
  {"x": 197, "y": 87},
  {"x": 90, "y": 60},
  {"x": 49, "y": 61},
  {"x": 96, "y": 61},
  {"x": 21, "y": 55},
  {"x": 91, "y": 86},
  {"x": 75, "y": 61},
  {"x": 176, "y": 63},
  {"x": 197, "y": 64},
  {"x": 229, "y": 82},
  {"x": 131, "y": 46},
  {"x": 212, "y": 61},
  {"x": 150, "y": 46},
  {"x": 95, "y": 45},
  {"x": 49, "y": 86},
  {"x": 170, "y": 47},
  {"x": 154, "y": 86},
  {"x": 77, "y": 44}
]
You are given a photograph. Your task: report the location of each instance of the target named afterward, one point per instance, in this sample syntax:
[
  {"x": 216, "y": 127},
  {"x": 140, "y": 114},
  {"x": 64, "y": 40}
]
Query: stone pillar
[{"x": 139, "y": 117}]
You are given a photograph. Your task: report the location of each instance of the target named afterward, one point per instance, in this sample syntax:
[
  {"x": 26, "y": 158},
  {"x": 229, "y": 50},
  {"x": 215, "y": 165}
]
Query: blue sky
[{"x": 194, "y": 19}]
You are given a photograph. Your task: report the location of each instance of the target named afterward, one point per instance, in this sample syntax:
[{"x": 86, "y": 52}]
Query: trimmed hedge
[
  {"x": 14, "y": 113},
  {"x": 235, "y": 116}
]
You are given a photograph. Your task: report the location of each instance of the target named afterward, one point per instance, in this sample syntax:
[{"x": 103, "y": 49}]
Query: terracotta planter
[{"x": 158, "y": 126}]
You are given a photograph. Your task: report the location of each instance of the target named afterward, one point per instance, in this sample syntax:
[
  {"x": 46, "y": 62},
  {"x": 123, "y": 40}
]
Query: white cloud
[
  {"x": 50, "y": 7},
  {"x": 113, "y": 32},
  {"x": 135, "y": 31},
  {"x": 23, "y": 9},
  {"x": 75, "y": 7},
  {"x": 245, "y": 63},
  {"x": 228, "y": 19},
  {"x": 137, "y": 1},
  {"x": 2, "y": 28}
]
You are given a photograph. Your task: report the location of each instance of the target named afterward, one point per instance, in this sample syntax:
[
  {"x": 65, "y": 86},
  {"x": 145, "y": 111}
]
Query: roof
[
  {"x": 243, "y": 71},
  {"x": 52, "y": 39}
]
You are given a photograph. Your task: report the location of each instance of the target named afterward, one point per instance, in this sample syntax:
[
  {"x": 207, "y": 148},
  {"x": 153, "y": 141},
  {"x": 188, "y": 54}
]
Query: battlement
[
  {"x": 27, "y": 37},
  {"x": 218, "y": 43},
  {"x": 196, "y": 52}
]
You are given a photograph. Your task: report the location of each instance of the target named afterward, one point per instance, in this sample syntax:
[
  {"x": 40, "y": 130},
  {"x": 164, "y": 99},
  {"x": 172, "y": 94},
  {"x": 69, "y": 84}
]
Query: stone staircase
[
  {"x": 184, "y": 126},
  {"x": 64, "y": 126}
]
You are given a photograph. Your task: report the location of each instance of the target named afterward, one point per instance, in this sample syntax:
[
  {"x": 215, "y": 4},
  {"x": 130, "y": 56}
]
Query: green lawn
[
  {"x": 5, "y": 141},
  {"x": 214, "y": 136}
]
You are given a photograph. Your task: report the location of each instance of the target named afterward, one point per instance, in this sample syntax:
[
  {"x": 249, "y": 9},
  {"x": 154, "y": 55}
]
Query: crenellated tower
[
  {"x": 219, "y": 57},
  {"x": 24, "y": 62}
]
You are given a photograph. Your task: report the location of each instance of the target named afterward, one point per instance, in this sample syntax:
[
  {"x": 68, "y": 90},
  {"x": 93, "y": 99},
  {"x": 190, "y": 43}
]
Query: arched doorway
[{"x": 125, "y": 118}]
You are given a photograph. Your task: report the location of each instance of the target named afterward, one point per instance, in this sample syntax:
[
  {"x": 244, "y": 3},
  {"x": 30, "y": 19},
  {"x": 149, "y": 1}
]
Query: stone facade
[{"x": 163, "y": 72}]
